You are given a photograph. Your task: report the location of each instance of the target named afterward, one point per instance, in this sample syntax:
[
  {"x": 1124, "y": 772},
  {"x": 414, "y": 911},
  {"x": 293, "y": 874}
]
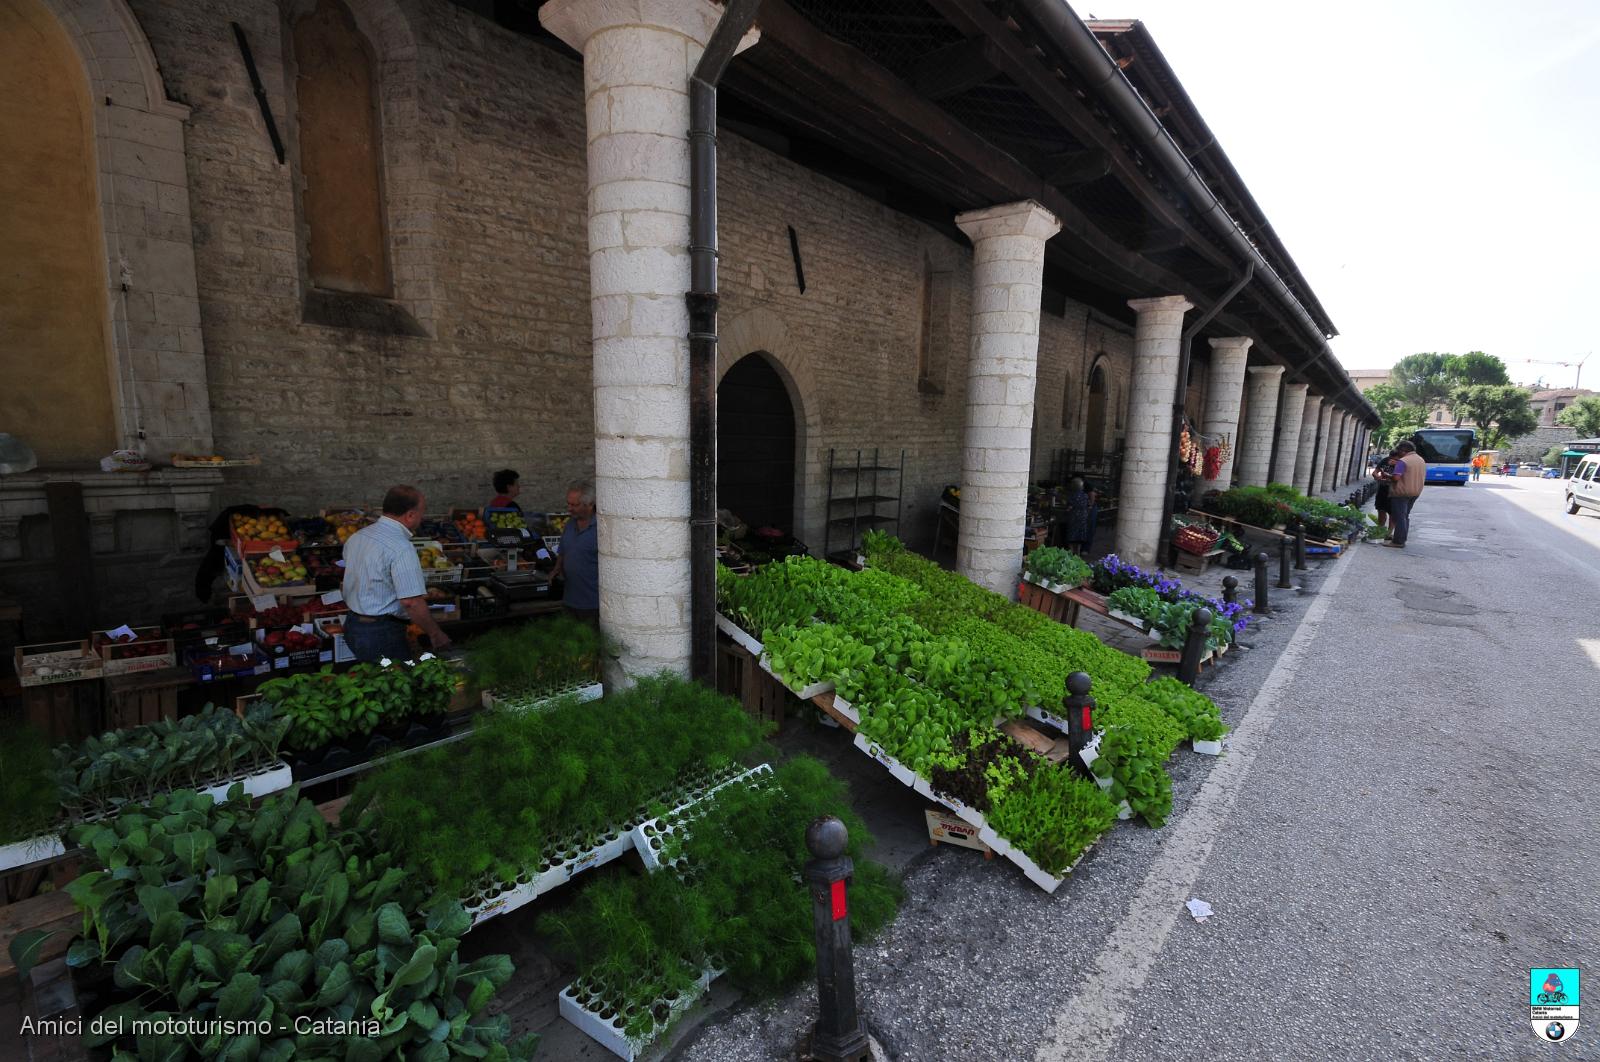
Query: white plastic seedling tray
[
  {"x": 648, "y": 837},
  {"x": 609, "y": 1033},
  {"x": 262, "y": 783},
  {"x": 523, "y": 892},
  {"x": 585, "y": 692},
  {"x": 1208, "y": 748},
  {"x": 733, "y": 630},
  {"x": 32, "y": 850},
  {"x": 806, "y": 693}
]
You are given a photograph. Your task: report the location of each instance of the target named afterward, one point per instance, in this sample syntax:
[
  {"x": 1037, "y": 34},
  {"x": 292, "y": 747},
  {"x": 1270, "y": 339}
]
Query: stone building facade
[{"x": 478, "y": 354}]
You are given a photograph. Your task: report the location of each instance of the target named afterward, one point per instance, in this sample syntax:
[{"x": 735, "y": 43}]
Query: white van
[{"x": 1583, "y": 488}]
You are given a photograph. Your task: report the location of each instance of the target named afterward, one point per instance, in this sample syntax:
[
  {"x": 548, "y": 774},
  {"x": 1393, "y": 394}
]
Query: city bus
[{"x": 1448, "y": 452}]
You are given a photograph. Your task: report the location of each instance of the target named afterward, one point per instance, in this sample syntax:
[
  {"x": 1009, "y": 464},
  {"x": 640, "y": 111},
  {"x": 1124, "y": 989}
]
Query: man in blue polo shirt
[
  {"x": 383, "y": 584},
  {"x": 579, "y": 560}
]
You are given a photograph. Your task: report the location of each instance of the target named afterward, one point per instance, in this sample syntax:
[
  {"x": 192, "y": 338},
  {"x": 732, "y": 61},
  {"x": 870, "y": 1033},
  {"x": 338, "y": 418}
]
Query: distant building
[
  {"x": 1546, "y": 404},
  {"x": 1366, "y": 379}
]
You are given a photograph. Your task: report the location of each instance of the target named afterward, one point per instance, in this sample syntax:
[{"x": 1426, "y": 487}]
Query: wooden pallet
[
  {"x": 741, "y": 677},
  {"x": 66, "y": 712},
  {"x": 145, "y": 697}
]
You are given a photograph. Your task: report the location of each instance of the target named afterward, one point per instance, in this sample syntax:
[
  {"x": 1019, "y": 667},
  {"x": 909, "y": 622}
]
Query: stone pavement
[{"x": 1400, "y": 828}]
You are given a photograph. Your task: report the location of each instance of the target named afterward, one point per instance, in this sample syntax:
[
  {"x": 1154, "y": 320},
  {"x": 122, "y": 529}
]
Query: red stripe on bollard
[{"x": 841, "y": 907}]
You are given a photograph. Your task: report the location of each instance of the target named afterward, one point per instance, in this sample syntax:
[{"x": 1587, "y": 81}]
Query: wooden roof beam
[
  {"x": 918, "y": 140},
  {"x": 1023, "y": 64},
  {"x": 954, "y": 69},
  {"x": 1078, "y": 167}
]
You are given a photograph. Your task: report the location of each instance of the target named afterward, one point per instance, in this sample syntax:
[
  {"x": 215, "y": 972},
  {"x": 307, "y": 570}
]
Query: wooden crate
[
  {"x": 741, "y": 678},
  {"x": 145, "y": 697},
  {"x": 1200, "y": 562},
  {"x": 1041, "y": 600},
  {"x": 66, "y": 711}
]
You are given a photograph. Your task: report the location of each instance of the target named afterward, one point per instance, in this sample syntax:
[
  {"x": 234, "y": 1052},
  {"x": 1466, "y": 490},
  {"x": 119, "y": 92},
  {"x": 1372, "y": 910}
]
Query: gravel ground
[{"x": 1402, "y": 826}]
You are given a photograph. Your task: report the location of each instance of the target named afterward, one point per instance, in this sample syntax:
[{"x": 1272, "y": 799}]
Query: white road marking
[{"x": 1087, "y": 1028}]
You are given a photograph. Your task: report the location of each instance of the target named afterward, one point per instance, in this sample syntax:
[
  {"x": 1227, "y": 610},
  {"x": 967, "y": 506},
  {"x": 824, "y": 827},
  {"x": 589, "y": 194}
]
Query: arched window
[
  {"x": 55, "y": 370},
  {"x": 340, "y": 154},
  {"x": 933, "y": 337}
]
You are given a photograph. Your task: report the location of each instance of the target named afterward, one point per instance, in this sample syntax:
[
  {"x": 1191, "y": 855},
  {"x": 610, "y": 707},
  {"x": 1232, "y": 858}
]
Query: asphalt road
[{"x": 1404, "y": 822}]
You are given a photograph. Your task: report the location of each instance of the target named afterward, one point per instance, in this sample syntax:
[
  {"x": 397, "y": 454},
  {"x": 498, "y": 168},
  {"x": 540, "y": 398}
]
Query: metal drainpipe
[
  {"x": 1180, "y": 401},
  {"x": 1086, "y": 56},
  {"x": 702, "y": 301}
]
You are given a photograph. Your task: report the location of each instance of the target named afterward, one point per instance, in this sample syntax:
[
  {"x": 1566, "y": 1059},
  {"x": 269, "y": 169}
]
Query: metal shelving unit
[{"x": 858, "y": 510}]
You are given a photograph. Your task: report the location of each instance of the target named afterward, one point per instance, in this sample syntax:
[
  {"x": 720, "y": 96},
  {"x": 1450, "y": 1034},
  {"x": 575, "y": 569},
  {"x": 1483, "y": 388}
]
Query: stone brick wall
[
  {"x": 491, "y": 157},
  {"x": 1532, "y": 447}
]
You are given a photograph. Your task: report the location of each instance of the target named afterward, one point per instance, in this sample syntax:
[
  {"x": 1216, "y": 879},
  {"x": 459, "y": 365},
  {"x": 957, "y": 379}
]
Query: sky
[{"x": 1433, "y": 168}]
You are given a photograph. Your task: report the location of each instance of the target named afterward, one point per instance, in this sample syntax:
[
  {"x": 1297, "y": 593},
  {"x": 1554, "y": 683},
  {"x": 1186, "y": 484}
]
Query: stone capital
[
  {"x": 1265, "y": 370},
  {"x": 576, "y": 21},
  {"x": 1230, "y": 343},
  {"x": 1297, "y": 389},
  {"x": 1022, "y": 218},
  {"x": 1175, "y": 303}
]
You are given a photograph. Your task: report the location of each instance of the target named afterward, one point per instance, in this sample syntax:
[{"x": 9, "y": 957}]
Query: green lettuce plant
[
  {"x": 1056, "y": 565},
  {"x": 1193, "y": 711},
  {"x": 1136, "y": 776}
]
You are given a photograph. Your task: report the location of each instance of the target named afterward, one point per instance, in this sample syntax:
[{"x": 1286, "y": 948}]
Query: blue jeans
[
  {"x": 1400, "y": 517},
  {"x": 373, "y": 641}
]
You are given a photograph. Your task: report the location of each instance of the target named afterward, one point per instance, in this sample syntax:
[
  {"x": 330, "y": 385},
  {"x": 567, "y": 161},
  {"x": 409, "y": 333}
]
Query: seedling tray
[
  {"x": 733, "y": 630},
  {"x": 649, "y": 836},
  {"x": 805, "y": 693},
  {"x": 542, "y": 700},
  {"x": 33, "y": 850},
  {"x": 609, "y": 1033}
]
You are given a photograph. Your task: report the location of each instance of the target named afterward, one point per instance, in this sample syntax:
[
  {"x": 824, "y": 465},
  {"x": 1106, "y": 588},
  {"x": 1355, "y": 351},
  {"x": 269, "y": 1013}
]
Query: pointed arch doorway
[
  {"x": 1094, "y": 439},
  {"x": 756, "y": 444}
]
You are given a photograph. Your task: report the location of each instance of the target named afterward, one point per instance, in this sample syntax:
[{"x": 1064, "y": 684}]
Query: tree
[
  {"x": 1428, "y": 380},
  {"x": 1583, "y": 416},
  {"x": 1476, "y": 367},
  {"x": 1423, "y": 379},
  {"x": 1501, "y": 411},
  {"x": 1399, "y": 417}
]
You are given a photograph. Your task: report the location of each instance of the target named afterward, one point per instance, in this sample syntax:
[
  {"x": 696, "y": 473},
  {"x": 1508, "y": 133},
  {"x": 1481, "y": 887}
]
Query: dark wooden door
[
  {"x": 1094, "y": 441},
  {"x": 755, "y": 445}
]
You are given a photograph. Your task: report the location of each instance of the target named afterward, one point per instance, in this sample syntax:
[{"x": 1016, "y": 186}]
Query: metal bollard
[
  {"x": 1284, "y": 582},
  {"x": 1230, "y": 589},
  {"x": 1262, "y": 583},
  {"x": 1194, "y": 643},
  {"x": 839, "y": 1035},
  {"x": 1299, "y": 547},
  {"x": 1078, "y": 708}
]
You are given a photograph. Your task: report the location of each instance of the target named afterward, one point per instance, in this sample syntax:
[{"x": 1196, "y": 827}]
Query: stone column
[
  {"x": 1007, "y": 272},
  {"x": 1157, "y": 334},
  {"x": 1336, "y": 431},
  {"x": 1330, "y": 446},
  {"x": 1256, "y": 461},
  {"x": 1294, "y": 408},
  {"x": 1341, "y": 456},
  {"x": 1224, "y": 387},
  {"x": 1316, "y": 415},
  {"x": 636, "y": 62}
]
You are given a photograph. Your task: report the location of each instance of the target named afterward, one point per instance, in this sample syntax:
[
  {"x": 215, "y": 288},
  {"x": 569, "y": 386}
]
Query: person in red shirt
[{"x": 506, "y": 489}]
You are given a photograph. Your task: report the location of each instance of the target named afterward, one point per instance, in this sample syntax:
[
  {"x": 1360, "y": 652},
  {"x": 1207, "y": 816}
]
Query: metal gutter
[
  {"x": 702, "y": 299},
  {"x": 1088, "y": 58}
]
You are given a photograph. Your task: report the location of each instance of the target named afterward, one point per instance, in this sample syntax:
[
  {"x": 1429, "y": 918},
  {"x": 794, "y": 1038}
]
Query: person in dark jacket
[{"x": 1381, "y": 472}]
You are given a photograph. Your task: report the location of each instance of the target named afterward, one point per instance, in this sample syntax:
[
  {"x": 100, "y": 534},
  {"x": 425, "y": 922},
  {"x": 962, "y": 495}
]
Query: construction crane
[{"x": 1565, "y": 365}]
